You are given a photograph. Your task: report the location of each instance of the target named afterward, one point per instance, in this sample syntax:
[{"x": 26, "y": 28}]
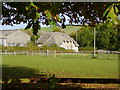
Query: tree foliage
[
  {"x": 102, "y": 37},
  {"x": 111, "y": 14},
  {"x": 85, "y": 37},
  {"x": 50, "y": 13},
  {"x": 107, "y": 38}
]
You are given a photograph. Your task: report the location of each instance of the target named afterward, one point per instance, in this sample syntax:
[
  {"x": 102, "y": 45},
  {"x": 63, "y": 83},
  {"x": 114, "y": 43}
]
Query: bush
[
  {"x": 84, "y": 36},
  {"x": 86, "y": 48},
  {"x": 30, "y": 46},
  {"x": 33, "y": 47},
  {"x": 52, "y": 47},
  {"x": 56, "y": 29}
]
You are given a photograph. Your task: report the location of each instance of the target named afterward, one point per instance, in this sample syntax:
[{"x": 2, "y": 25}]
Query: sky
[
  {"x": 19, "y": 26},
  {"x": 22, "y": 26},
  {"x": 7, "y": 27}
]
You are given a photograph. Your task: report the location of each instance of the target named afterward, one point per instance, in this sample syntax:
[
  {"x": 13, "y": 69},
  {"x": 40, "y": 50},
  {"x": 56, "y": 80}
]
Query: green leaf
[
  {"x": 52, "y": 23},
  {"x": 57, "y": 18},
  {"x": 118, "y": 3},
  {"x": 32, "y": 4},
  {"x": 37, "y": 15},
  {"x": 48, "y": 14},
  {"x": 26, "y": 8},
  {"x": 109, "y": 24},
  {"x": 116, "y": 9},
  {"x": 106, "y": 11},
  {"x": 111, "y": 15},
  {"x": 119, "y": 22}
]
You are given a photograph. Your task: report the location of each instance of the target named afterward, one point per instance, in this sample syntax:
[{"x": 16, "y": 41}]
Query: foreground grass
[{"x": 70, "y": 66}]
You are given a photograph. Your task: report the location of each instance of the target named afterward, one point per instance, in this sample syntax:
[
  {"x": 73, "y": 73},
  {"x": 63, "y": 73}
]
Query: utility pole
[
  {"x": 118, "y": 31},
  {"x": 76, "y": 36},
  {"x": 94, "y": 40}
]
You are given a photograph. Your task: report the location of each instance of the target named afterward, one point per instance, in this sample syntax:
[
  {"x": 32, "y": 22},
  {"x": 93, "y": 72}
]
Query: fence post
[
  {"x": 54, "y": 53},
  {"x": 5, "y": 52},
  {"x": 83, "y": 54},
  {"x": 14, "y": 52},
  {"x": 47, "y": 53}
]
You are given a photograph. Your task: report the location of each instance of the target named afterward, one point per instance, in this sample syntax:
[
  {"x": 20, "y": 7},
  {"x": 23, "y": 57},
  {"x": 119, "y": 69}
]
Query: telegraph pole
[
  {"x": 118, "y": 31},
  {"x": 76, "y": 36},
  {"x": 94, "y": 40}
]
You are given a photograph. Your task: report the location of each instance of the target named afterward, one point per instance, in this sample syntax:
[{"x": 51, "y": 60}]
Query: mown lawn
[{"x": 69, "y": 66}]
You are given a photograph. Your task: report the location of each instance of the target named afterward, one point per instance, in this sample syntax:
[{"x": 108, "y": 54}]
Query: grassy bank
[{"x": 70, "y": 66}]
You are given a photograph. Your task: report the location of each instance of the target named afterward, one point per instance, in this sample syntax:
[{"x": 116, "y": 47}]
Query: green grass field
[
  {"x": 69, "y": 66},
  {"x": 68, "y": 29}
]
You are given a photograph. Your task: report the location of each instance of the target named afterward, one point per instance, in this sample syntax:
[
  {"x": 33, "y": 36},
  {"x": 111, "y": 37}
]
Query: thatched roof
[
  {"x": 18, "y": 37},
  {"x": 7, "y": 32},
  {"x": 2, "y": 36},
  {"x": 15, "y": 36},
  {"x": 58, "y": 38}
]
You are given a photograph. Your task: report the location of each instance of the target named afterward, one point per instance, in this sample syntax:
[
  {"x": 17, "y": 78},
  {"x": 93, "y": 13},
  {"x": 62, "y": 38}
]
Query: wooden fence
[{"x": 49, "y": 53}]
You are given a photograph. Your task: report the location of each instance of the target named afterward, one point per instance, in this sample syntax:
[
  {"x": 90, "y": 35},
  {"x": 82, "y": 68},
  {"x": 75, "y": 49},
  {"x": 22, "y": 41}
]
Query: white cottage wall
[
  {"x": 69, "y": 45},
  {"x": 3, "y": 41}
]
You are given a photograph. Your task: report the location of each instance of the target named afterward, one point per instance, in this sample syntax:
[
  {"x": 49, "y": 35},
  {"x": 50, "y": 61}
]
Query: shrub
[
  {"x": 56, "y": 29},
  {"x": 86, "y": 48},
  {"x": 52, "y": 47}
]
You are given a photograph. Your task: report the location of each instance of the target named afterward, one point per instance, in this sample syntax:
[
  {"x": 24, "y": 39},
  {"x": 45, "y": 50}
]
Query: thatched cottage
[
  {"x": 13, "y": 38},
  {"x": 61, "y": 39}
]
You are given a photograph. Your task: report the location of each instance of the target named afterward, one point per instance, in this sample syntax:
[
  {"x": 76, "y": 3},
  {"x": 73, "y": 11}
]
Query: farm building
[
  {"x": 13, "y": 38},
  {"x": 2, "y": 39},
  {"x": 60, "y": 39}
]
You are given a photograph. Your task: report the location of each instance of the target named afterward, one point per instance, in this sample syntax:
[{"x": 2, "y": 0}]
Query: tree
[
  {"x": 102, "y": 36},
  {"x": 107, "y": 37},
  {"x": 84, "y": 36},
  {"x": 114, "y": 38},
  {"x": 48, "y": 13},
  {"x": 34, "y": 38}
]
